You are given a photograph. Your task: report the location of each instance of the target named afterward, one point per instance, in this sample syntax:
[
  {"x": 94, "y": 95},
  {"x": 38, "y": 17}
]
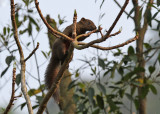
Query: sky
[{"x": 85, "y": 8}]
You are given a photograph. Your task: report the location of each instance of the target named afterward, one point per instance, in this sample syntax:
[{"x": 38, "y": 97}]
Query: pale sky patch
[{"x": 3, "y": 3}]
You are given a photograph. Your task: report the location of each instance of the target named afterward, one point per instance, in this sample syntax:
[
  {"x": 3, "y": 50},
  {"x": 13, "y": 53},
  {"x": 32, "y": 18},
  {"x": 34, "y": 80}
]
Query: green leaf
[
  {"x": 147, "y": 46},
  {"x": 133, "y": 57},
  {"x": 136, "y": 70},
  {"x": 145, "y": 91},
  {"x": 22, "y": 105},
  {"x": 31, "y": 92},
  {"x": 159, "y": 57},
  {"x": 4, "y": 71},
  {"x": 72, "y": 84},
  {"x": 121, "y": 92},
  {"x": 35, "y": 106},
  {"x": 4, "y": 30},
  {"x": 133, "y": 89},
  {"x": 29, "y": 28},
  {"x": 121, "y": 71},
  {"x": 8, "y": 29},
  {"x": 18, "y": 79},
  {"x": 90, "y": 95},
  {"x": 131, "y": 50},
  {"x": 153, "y": 89},
  {"x": 75, "y": 98},
  {"x": 155, "y": 15},
  {"x": 34, "y": 22},
  {"x": 77, "y": 73},
  {"x": 111, "y": 104},
  {"x": 137, "y": 104},
  {"x": 101, "y": 88},
  {"x": 26, "y": 2},
  {"x": 23, "y": 31},
  {"x": 44, "y": 54},
  {"x": 39, "y": 98},
  {"x": 102, "y": 4},
  {"x": 30, "y": 11},
  {"x": 96, "y": 111},
  {"x": 61, "y": 20},
  {"x": 101, "y": 63},
  {"x": 81, "y": 85},
  {"x": 129, "y": 96},
  {"x": 81, "y": 107},
  {"x": 113, "y": 70},
  {"x": 100, "y": 101},
  {"x": 149, "y": 17},
  {"x": 158, "y": 2},
  {"x": 140, "y": 14},
  {"x": 9, "y": 59},
  {"x": 132, "y": 10},
  {"x": 28, "y": 44},
  {"x": 75, "y": 12},
  {"x": 151, "y": 69}
]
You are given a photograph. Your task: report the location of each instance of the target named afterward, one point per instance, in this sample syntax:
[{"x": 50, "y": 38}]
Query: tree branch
[
  {"x": 56, "y": 83},
  {"x": 32, "y": 52},
  {"x": 13, "y": 92},
  {"x": 113, "y": 47},
  {"x": 23, "y": 84},
  {"x": 53, "y": 31},
  {"x": 121, "y": 8}
]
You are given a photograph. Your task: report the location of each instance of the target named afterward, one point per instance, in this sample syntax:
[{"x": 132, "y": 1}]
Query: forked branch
[
  {"x": 112, "y": 47},
  {"x": 23, "y": 82}
]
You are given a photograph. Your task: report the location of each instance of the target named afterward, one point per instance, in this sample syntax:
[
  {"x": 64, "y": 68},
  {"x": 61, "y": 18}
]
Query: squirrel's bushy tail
[{"x": 50, "y": 75}]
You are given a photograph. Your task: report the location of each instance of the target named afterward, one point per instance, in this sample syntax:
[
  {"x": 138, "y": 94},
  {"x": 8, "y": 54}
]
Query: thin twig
[
  {"x": 113, "y": 47},
  {"x": 23, "y": 84},
  {"x": 152, "y": 55},
  {"x": 117, "y": 18},
  {"x": 86, "y": 35},
  {"x": 32, "y": 52},
  {"x": 114, "y": 34},
  {"x": 124, "y": 10},
  {"x": 74, "y": 34},
  {"x": 13, "y": 92}
]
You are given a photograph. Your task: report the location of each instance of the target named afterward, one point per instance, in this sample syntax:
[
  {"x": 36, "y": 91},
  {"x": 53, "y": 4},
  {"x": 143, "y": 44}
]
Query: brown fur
[{"x": 59, "y": 51}]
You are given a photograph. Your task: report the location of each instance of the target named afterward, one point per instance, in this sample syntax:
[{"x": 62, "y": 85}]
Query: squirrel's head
[{"x": 88, "y": 24}]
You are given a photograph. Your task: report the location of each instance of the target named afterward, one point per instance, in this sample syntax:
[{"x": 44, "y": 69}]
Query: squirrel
[{"x": 59, "y": 51}]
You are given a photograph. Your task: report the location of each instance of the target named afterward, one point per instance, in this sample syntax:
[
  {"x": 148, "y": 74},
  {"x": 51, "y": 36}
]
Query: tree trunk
[{"x": 141, "y": 30}]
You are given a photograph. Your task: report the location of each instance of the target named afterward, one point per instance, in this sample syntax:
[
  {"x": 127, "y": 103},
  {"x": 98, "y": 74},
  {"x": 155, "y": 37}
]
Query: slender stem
[{"x": 13, "y": 92}]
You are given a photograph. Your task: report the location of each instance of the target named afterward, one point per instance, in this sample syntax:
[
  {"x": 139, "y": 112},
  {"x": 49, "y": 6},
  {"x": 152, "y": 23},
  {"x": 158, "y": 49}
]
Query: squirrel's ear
[{"x": 83, "y": 19}]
